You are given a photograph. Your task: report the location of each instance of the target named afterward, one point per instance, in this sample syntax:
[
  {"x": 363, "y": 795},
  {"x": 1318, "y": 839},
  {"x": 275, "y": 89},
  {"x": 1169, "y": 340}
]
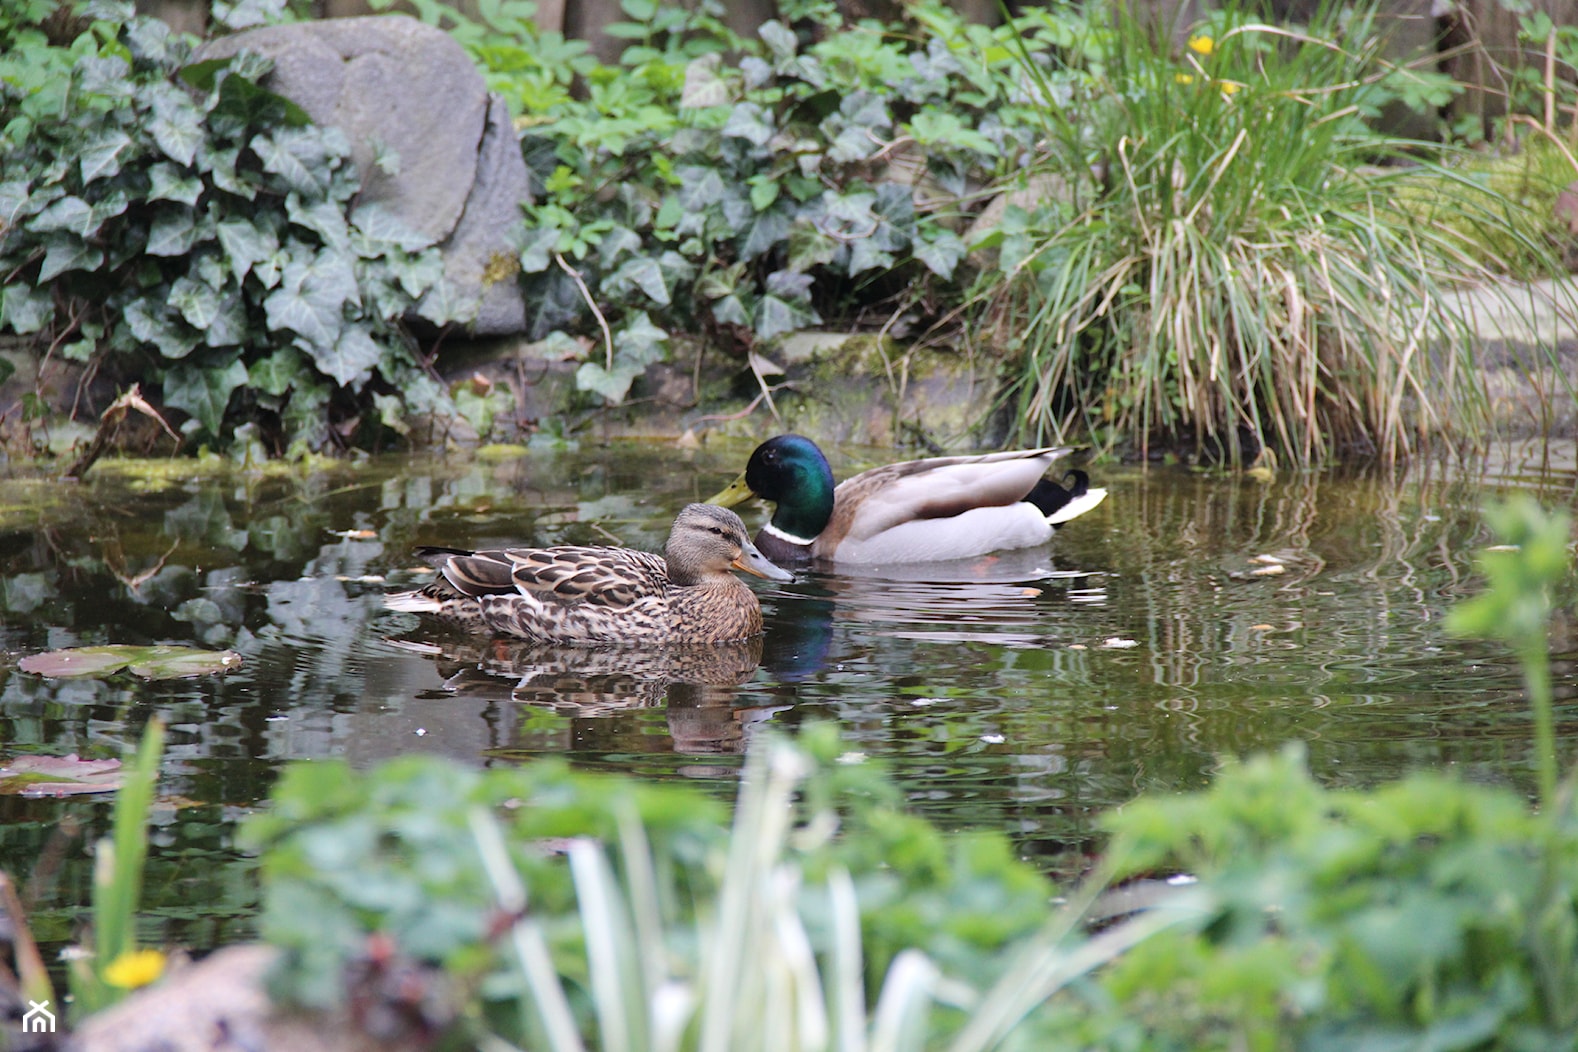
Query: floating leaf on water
[
  {"x": 58, "y": 776},
  {"x": 155, "y": 662}
]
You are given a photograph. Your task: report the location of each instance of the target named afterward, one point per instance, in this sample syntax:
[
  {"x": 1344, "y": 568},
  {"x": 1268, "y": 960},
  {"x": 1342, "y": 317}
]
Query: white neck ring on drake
[{"x": 786, "y": 536}]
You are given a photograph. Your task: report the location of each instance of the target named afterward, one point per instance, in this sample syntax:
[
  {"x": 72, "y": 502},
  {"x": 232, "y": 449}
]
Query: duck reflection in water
[{"x": 699, "y": 684}]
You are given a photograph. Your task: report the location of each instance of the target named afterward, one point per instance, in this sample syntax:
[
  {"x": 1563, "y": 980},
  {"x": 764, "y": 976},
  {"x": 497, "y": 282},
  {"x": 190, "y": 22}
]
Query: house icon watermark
[{"x": 39, "y": 1019}]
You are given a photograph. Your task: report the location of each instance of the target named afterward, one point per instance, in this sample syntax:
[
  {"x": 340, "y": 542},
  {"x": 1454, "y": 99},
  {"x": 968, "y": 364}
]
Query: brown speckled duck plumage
[{"x": 595, "y": 596}]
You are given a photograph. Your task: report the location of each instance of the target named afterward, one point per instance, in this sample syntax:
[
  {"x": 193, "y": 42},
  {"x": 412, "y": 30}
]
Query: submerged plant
[{"x": 1225, "y": 263}]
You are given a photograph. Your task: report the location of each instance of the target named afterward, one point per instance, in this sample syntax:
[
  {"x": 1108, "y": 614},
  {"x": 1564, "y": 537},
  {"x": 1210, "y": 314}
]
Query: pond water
[{"x": 1025, "y": 693}]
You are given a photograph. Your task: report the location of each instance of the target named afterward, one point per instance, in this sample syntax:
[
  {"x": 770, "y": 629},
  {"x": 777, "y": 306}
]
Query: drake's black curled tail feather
[{"x": 1051, "y": 498}]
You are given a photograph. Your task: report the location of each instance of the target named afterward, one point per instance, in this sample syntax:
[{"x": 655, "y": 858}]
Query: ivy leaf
[
  {"x": 444, "y": 304},
  {"x": 790, "y": 285},
  {"x": 197, "y": 302},
  {"x": 640, "y": 340},
  {"x": 245, "y": 244},
  {"x": 809, "y": 246},
  {"x": 352, "y": 358},
  {"x": 68, "y": 253},
  {"x": 537, "y": 254},
  {"x": 376, "y": 231},
  {"x": 229, "y": 328},
  {"x": 162, "y": 329},
  {"x": 703, "y": 86},
  {"x": 613, "y": 384},
  {"x": 176, "y": 126},
  {"x": 775, "y": 316},
  {"x": 25, "y": 308},
  {"x": 100, "y": 159},
  {"x": 203, "y": 391},
  {"x": 764, "y": 233},
  {"x": 699, "y": 189},
  {"x": 864, "y": 255},
  {"x": 282, "y": 162},
  {"x": 323, "y": 218},
  {"x": 170, "y": 183},
  {"x": 941, "y": 253},
  {"x": 105, "y": 75},
  {"x": 172, "y": 233},
  {"x": 276, "y": 374},
  {"x": 71, "y": 214},
  {"x": 641, "y": 272},
  {"x": 779, "y": 38},
  {"x": 731, "y": 310},
  {"x": 750, "y": 122}
]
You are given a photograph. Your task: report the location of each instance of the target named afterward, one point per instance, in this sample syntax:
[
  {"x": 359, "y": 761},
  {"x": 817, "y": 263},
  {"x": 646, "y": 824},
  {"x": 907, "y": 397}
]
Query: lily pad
[
  {"x": 58, "y": 776},
  {"x": 155, "y": 662}
]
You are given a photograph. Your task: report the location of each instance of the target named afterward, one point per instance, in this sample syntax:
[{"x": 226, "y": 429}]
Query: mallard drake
[
  {"x": 591, "y": 596},
  {"x": 914, "y": 511}
]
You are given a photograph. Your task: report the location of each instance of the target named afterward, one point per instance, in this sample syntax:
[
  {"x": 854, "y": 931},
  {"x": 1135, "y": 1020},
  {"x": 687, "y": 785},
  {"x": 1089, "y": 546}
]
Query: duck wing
[
  {"x": 935, "y": 488},
  {"x": 608, "y": 577}
]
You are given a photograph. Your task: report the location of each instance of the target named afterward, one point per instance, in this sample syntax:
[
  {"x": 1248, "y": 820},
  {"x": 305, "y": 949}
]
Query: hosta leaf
[
  {"x": 245, "y": 245},
  {"x": 203, "y": 391},
  {"x": 197, "y": 302},
  {"x": 71, "y": 214},
  {"x": 172, "y": 233},
  {"x": 941, "y": 253},
  {"x": 352, "y": 358},
  {"x": 100, "y": 159},
  {"x": 25, "y": 308},
  {"x": 171, "y": 183},
  {"x": 65, "y": 253}
]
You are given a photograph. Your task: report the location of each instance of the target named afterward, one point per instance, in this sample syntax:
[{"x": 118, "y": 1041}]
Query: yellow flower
[
  {"x": 134, "y": 969},
  {"x": 1201, "y": 45},
  {"x": 1228, "y": 86},
  {"x": 1184, "y": 78}
]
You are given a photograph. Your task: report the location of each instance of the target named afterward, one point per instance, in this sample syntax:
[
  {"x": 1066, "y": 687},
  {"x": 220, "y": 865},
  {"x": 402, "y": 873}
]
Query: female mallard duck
[
  {"x": 585, "y": 596},
  {"x": 915, "y": 511}
]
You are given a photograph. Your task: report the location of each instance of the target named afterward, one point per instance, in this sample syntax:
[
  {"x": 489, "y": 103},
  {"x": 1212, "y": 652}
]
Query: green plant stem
[{"x": 1537, "y": 684}]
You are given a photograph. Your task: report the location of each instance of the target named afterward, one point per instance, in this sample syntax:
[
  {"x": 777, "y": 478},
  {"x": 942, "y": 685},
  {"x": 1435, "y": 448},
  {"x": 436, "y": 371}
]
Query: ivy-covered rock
[
  {"x": 433, "y": 147},
  {"x": 176, "y": 223}
]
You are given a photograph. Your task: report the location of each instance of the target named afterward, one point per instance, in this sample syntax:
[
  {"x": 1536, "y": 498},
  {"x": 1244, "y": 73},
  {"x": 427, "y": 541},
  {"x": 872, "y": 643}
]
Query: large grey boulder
[{"x": 431, "y": 144}]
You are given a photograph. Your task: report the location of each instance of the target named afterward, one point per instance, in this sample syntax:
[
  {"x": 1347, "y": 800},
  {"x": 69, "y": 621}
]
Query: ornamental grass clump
[{"x": 1225, "y": 266}]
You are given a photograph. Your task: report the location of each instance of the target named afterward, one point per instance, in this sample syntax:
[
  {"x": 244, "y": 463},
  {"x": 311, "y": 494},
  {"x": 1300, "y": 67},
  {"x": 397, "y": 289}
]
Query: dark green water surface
[{"x": 1025, "y": 693}]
